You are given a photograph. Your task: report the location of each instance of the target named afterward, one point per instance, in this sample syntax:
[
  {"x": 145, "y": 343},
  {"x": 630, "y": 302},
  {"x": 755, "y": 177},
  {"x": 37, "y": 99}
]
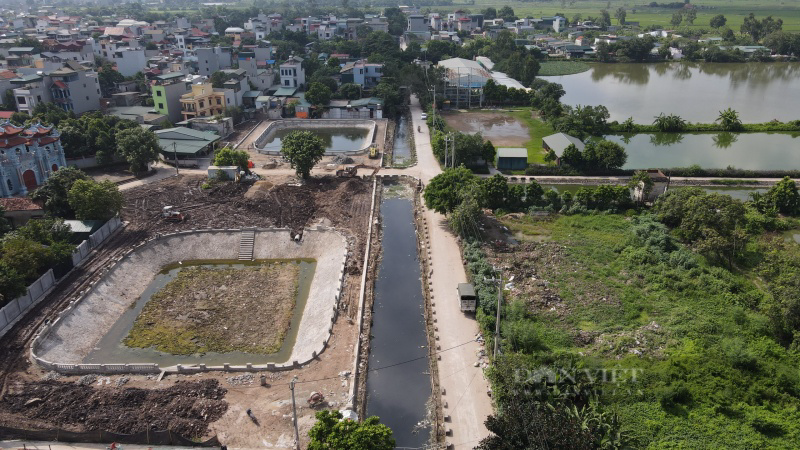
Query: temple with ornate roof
[{"x": 28, "y": 156}]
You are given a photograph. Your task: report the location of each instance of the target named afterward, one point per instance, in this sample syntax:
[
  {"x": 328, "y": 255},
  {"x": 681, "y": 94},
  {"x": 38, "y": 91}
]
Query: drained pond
[
  {"x": 336, "y": 140},
  {"x": 192, "y": 313},
  {"x": 398, "y": 391}
]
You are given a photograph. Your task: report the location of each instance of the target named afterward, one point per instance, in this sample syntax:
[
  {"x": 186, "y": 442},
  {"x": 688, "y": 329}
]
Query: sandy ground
[{"x": 498, "y": 127}]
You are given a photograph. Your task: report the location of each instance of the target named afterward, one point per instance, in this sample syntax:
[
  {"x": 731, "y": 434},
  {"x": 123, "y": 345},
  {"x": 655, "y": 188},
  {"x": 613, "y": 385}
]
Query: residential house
[
  {"x": 417, "y": 24},
  {"x": 75, "y": 88},
  {"x": 559, "y": 142},
  {"x": 19, "y": 210},
  {"x": 261, "y": 78},
  {"x": 292, "y": 73},
  {"x": 28, "y": 157},
  {"x": 167, "y": 90},
  {"x": 210, "y": 60},
  {"x": 366, "y": 75},
  {"x": 129, "y": 60},
  {"x": 29, "y": 91},
  {"x": 464, "y": 80},
  {"x": 204, "y": 100}
]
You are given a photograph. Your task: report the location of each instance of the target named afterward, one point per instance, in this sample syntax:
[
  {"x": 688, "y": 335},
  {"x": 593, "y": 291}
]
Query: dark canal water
[
  {"x": 401, "y": 154},
  {"x": 338, "y": 140},
  {"x": 398, "y": 395}
]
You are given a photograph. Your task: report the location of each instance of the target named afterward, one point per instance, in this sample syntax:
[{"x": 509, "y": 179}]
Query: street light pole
[{"x": 175, "y": 153}]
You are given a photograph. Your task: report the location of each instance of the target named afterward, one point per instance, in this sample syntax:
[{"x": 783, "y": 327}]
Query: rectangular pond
[
  {"x": 337, "y": 140},
  {"x": 112, "y": 350},
  {"x": 760, "y": 92},
  {"x": 751, "y": 151}
]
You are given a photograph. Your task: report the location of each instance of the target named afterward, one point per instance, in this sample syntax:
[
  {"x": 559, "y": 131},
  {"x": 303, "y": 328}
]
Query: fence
[
  {"x": 150, "y": 437},
  {"x": 97, "y": 238},
  {"x": 19, "y": 306}
]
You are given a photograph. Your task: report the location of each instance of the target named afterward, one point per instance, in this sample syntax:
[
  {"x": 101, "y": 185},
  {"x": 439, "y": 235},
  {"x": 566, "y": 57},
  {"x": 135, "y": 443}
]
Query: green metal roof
[
  {"x": 170, "y": 76},
  {"x": 83, "y": 226},
  {"x": 182, "y": 147},
  {"x": 186, "y": 134},
  {"x": 252, "y": 94},
  {"x": 285, "y": 92},
  {"x": 366, "y": 101}
]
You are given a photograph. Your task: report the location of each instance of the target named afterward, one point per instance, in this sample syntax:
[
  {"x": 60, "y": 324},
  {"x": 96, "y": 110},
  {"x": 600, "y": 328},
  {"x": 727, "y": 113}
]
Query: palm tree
[
  {"x": 669, "y": 122},
  {"x": 729, "y": 119}
]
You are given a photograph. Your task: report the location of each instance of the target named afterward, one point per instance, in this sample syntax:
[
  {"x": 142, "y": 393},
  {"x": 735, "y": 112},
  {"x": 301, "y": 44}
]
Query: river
[
  {"x": 398, "y": 393},
  {"x": 697, "y": 92}
]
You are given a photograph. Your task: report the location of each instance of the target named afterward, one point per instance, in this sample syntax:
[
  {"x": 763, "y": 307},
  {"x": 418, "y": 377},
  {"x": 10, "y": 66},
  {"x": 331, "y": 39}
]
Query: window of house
[
  {"x": 229, "y": 101},
  {"x": 84, "y": 84},
  {"x": 158, "y": 93},
  {"x": 38, "y": 98},
  {"x": 10, "y": 185},
  {"x": 286, "y": 82},
  {"x": 21, "y": 100},
  {"x": 87, "y": 97},
  {"x": 219, "y": 101},
  {"x": 160, "y": 106},
  {"x": 201, "y": 104}
]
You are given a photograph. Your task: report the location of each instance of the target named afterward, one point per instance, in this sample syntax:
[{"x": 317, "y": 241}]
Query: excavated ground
[{"x": 66, "y": 403}]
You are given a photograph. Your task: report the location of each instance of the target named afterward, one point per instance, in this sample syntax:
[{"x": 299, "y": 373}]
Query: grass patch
[
  {"x": 219, "y": 310},
  {"x": 537, "y": 129},
  {"x": 556, "y": 68}
]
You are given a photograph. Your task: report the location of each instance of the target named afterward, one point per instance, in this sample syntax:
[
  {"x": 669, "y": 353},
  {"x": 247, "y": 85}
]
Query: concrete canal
[{"x": 398, "y": 391}]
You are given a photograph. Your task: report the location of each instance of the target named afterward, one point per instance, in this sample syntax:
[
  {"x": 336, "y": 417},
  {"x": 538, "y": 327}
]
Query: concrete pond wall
[
  {"x": 316, "y": 124},
  {"x": 64, "y": 343}
]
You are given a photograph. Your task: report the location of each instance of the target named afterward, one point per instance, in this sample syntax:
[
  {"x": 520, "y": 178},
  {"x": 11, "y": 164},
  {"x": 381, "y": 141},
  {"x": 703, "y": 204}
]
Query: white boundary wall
[
  {"x": 310, "y": 124},
  {"x": 62, "y": 344}
]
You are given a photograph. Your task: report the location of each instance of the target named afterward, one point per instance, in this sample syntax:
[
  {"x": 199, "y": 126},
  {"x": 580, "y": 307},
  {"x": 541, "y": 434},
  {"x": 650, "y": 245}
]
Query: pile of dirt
[{"x": 185, "y": 408}]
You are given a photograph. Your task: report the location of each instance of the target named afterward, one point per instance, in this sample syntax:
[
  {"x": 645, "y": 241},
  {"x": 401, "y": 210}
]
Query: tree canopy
[
  {"x": 92, "y": 200},
  {"x": 139, "y": 147},
  {"x": 304, "y": 150},
  {"x": 332, "y": 432},
  {"x": 54, "y": 192}
]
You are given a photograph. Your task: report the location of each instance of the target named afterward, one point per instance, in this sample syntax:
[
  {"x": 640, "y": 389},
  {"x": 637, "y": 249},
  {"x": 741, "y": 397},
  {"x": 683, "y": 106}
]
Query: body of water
[
  {"x": 753, "y": 151},
  {"x": 111, "y": 350},
  {"x": 336, "y": 140},
  {"x": 399, "y": 394},
  {"x": 401, "y": 152},
  {"x": 760, "y": 92}
]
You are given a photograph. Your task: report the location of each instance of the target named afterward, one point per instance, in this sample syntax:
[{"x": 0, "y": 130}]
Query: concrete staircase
[{"x": 246, "y": 245}]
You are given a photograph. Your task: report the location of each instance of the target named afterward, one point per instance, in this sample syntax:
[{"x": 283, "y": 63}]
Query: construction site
[{"x": 235, "y": 383}]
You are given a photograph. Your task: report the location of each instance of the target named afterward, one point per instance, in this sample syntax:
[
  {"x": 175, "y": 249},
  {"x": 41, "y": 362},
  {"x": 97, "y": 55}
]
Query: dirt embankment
[
  {"x": 185, "y": 408},
  {"x": 220, "y": 310}
]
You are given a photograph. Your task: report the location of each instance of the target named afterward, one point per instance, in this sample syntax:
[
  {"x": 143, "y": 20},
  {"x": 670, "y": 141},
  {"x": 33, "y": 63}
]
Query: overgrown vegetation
[{"x": 698, "y": 301}]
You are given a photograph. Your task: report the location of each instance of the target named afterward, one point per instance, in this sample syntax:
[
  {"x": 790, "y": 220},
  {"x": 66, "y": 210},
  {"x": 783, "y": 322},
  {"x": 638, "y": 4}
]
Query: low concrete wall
[
  {"x": 62, "y": 345},
  {"x": 15, "y": 309},
  {"x": 272, "y": 128}
]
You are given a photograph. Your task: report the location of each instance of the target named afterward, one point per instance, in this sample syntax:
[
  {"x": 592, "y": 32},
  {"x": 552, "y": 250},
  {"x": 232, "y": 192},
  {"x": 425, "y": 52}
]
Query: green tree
[
  {"x": 691, "y": 15},
  {"x": 489, "y": 13},
  {"x": 234, "y": 112},
  {"x": 572, "y": 157},
  {"x": 507, "y": 14},
  {"x": 95, "y": 201},
  {"x": 350, "y": 91},
  {"x": 669, "y": 123},
  {"x": 304, "y": 150},
  {"x": 677, "y": 18},
  {"x": 139, "y": 147},
  {"x": 620, "y": 14},
  {"x": 12, "y": 284},
  {"x": 443, "y": 193},
  {"x": 53, "y": 193},
  {"x": 332, "y": 432},
  {"x": 227, "y": 156},
  {"x": 785, "y": 197},
  {"x": 219, "y": 78},
  {"x": 108, "y": 78},
  {"x": 494, "y": 191},
  {"x": 318, "y": 94},
  {"x": 466, "y": 216},
  {"x": 603, "y": 155},
  {"x": 718, "y": 21},
  {"x": 489, "y": 152},
  {"x": 605, "y": 19},
  {"x": 729, "y": 119}
]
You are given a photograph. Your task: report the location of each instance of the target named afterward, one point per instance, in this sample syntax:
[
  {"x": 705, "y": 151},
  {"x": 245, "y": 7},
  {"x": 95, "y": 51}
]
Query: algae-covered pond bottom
[{"x": 111, "y": 349}]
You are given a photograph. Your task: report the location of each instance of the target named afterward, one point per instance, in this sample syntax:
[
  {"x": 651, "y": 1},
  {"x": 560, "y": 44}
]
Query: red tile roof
[
  {"x": 6, "y": 114},
  {"x": 19, "y": 204},
  {"x": 7, "y": 74}
]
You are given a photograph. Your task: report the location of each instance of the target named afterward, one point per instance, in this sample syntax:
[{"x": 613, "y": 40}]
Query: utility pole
[
  {"x": 175, "y": 153},
  {"x": 497, "y": 325},
  {"x": 294, "y": 415},
  {"x": 452, "y": 150}
]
